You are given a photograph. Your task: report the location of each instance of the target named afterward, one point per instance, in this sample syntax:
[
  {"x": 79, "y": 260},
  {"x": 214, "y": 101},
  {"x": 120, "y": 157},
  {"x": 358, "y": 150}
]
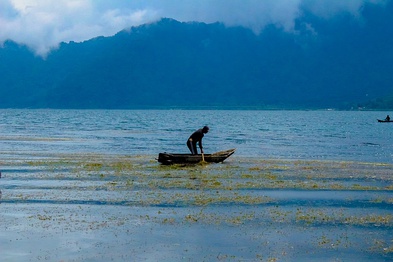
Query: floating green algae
[{"x": 268, "y": 202}]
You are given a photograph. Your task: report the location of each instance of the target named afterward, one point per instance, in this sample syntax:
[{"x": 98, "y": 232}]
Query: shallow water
[
  {"x": 85, "y": 186},
  {"x": 93, "y": 207}
]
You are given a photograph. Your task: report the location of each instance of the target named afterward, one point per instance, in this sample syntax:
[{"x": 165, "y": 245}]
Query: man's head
[{"x": 205, "y": 129}]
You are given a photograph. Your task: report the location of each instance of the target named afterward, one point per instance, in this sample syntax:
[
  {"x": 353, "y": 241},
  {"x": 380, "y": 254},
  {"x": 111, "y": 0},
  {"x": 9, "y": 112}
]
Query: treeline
[{"x": 381, "y": 103}]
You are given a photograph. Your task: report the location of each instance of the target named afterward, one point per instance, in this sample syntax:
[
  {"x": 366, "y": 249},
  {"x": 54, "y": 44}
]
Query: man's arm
[{"x": 200, "y": 145}]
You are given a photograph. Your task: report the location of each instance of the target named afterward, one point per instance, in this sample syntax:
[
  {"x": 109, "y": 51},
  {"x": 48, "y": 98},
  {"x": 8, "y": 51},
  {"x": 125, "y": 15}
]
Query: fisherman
[
  {"x": 387, "y": 118},
  {"x": 197, "y": 137}
]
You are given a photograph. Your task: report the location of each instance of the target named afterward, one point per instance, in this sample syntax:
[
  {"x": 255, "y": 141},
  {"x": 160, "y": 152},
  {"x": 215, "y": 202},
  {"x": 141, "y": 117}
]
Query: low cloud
[{"x": 43, "y": 24}]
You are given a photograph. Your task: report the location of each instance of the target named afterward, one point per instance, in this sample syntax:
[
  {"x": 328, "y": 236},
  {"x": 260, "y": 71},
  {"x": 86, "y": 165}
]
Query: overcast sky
[{"x": 43, "y": 24}]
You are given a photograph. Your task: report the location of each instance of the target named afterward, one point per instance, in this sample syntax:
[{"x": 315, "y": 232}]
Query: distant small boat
[
  {"x": 385, "y": 121},
  {"x": 168, "y": 158}
]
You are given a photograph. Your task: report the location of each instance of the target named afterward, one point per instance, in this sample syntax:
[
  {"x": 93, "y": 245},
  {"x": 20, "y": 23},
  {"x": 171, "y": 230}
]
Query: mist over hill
[{"x": 325, "y": 63}]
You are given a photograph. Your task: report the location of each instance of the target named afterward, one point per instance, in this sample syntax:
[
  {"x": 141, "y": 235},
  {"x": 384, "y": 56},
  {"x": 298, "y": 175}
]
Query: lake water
[
  {"x": 321, "y": 135},
  {"x": 83, "y": 185}
]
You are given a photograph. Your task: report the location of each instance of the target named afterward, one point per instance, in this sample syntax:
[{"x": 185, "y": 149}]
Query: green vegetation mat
[{"x": 122, "y": 207}]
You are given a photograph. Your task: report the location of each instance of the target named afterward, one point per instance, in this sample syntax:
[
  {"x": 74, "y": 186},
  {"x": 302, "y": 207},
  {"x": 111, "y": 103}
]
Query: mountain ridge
[{"x": 190, "y": 64}]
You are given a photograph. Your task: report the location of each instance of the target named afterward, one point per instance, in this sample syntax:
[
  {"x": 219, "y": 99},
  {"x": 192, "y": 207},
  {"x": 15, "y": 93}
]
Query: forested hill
[{"x": 335, "y": 63}]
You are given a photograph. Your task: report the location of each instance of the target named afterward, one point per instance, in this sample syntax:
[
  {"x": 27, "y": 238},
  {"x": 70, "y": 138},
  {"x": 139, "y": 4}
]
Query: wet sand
[{"x": 92, "y": 207}]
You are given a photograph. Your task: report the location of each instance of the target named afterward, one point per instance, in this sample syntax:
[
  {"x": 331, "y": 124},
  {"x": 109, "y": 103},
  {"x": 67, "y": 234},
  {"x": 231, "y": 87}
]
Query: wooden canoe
[
  {"x": 385, "y": 121},
  {"x": 168, "y": 158}
]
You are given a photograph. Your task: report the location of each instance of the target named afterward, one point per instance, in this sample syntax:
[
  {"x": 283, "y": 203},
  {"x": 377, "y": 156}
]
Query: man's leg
[
  {"x": 190, "y": 146},
  {"x": 194, "y": 148}
]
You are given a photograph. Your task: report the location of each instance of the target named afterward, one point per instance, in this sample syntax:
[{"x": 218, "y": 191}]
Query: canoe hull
[
  {"x": 169, "y": 159},
  {"x": 384, "y": 121}
]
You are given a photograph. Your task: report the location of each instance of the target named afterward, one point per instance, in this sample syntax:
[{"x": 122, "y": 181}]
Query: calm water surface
[{"x": 330, "y": 135}]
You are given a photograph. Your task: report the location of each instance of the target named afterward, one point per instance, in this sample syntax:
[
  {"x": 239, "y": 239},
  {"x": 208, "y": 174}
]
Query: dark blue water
[{"x": 330, "y": 135}]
